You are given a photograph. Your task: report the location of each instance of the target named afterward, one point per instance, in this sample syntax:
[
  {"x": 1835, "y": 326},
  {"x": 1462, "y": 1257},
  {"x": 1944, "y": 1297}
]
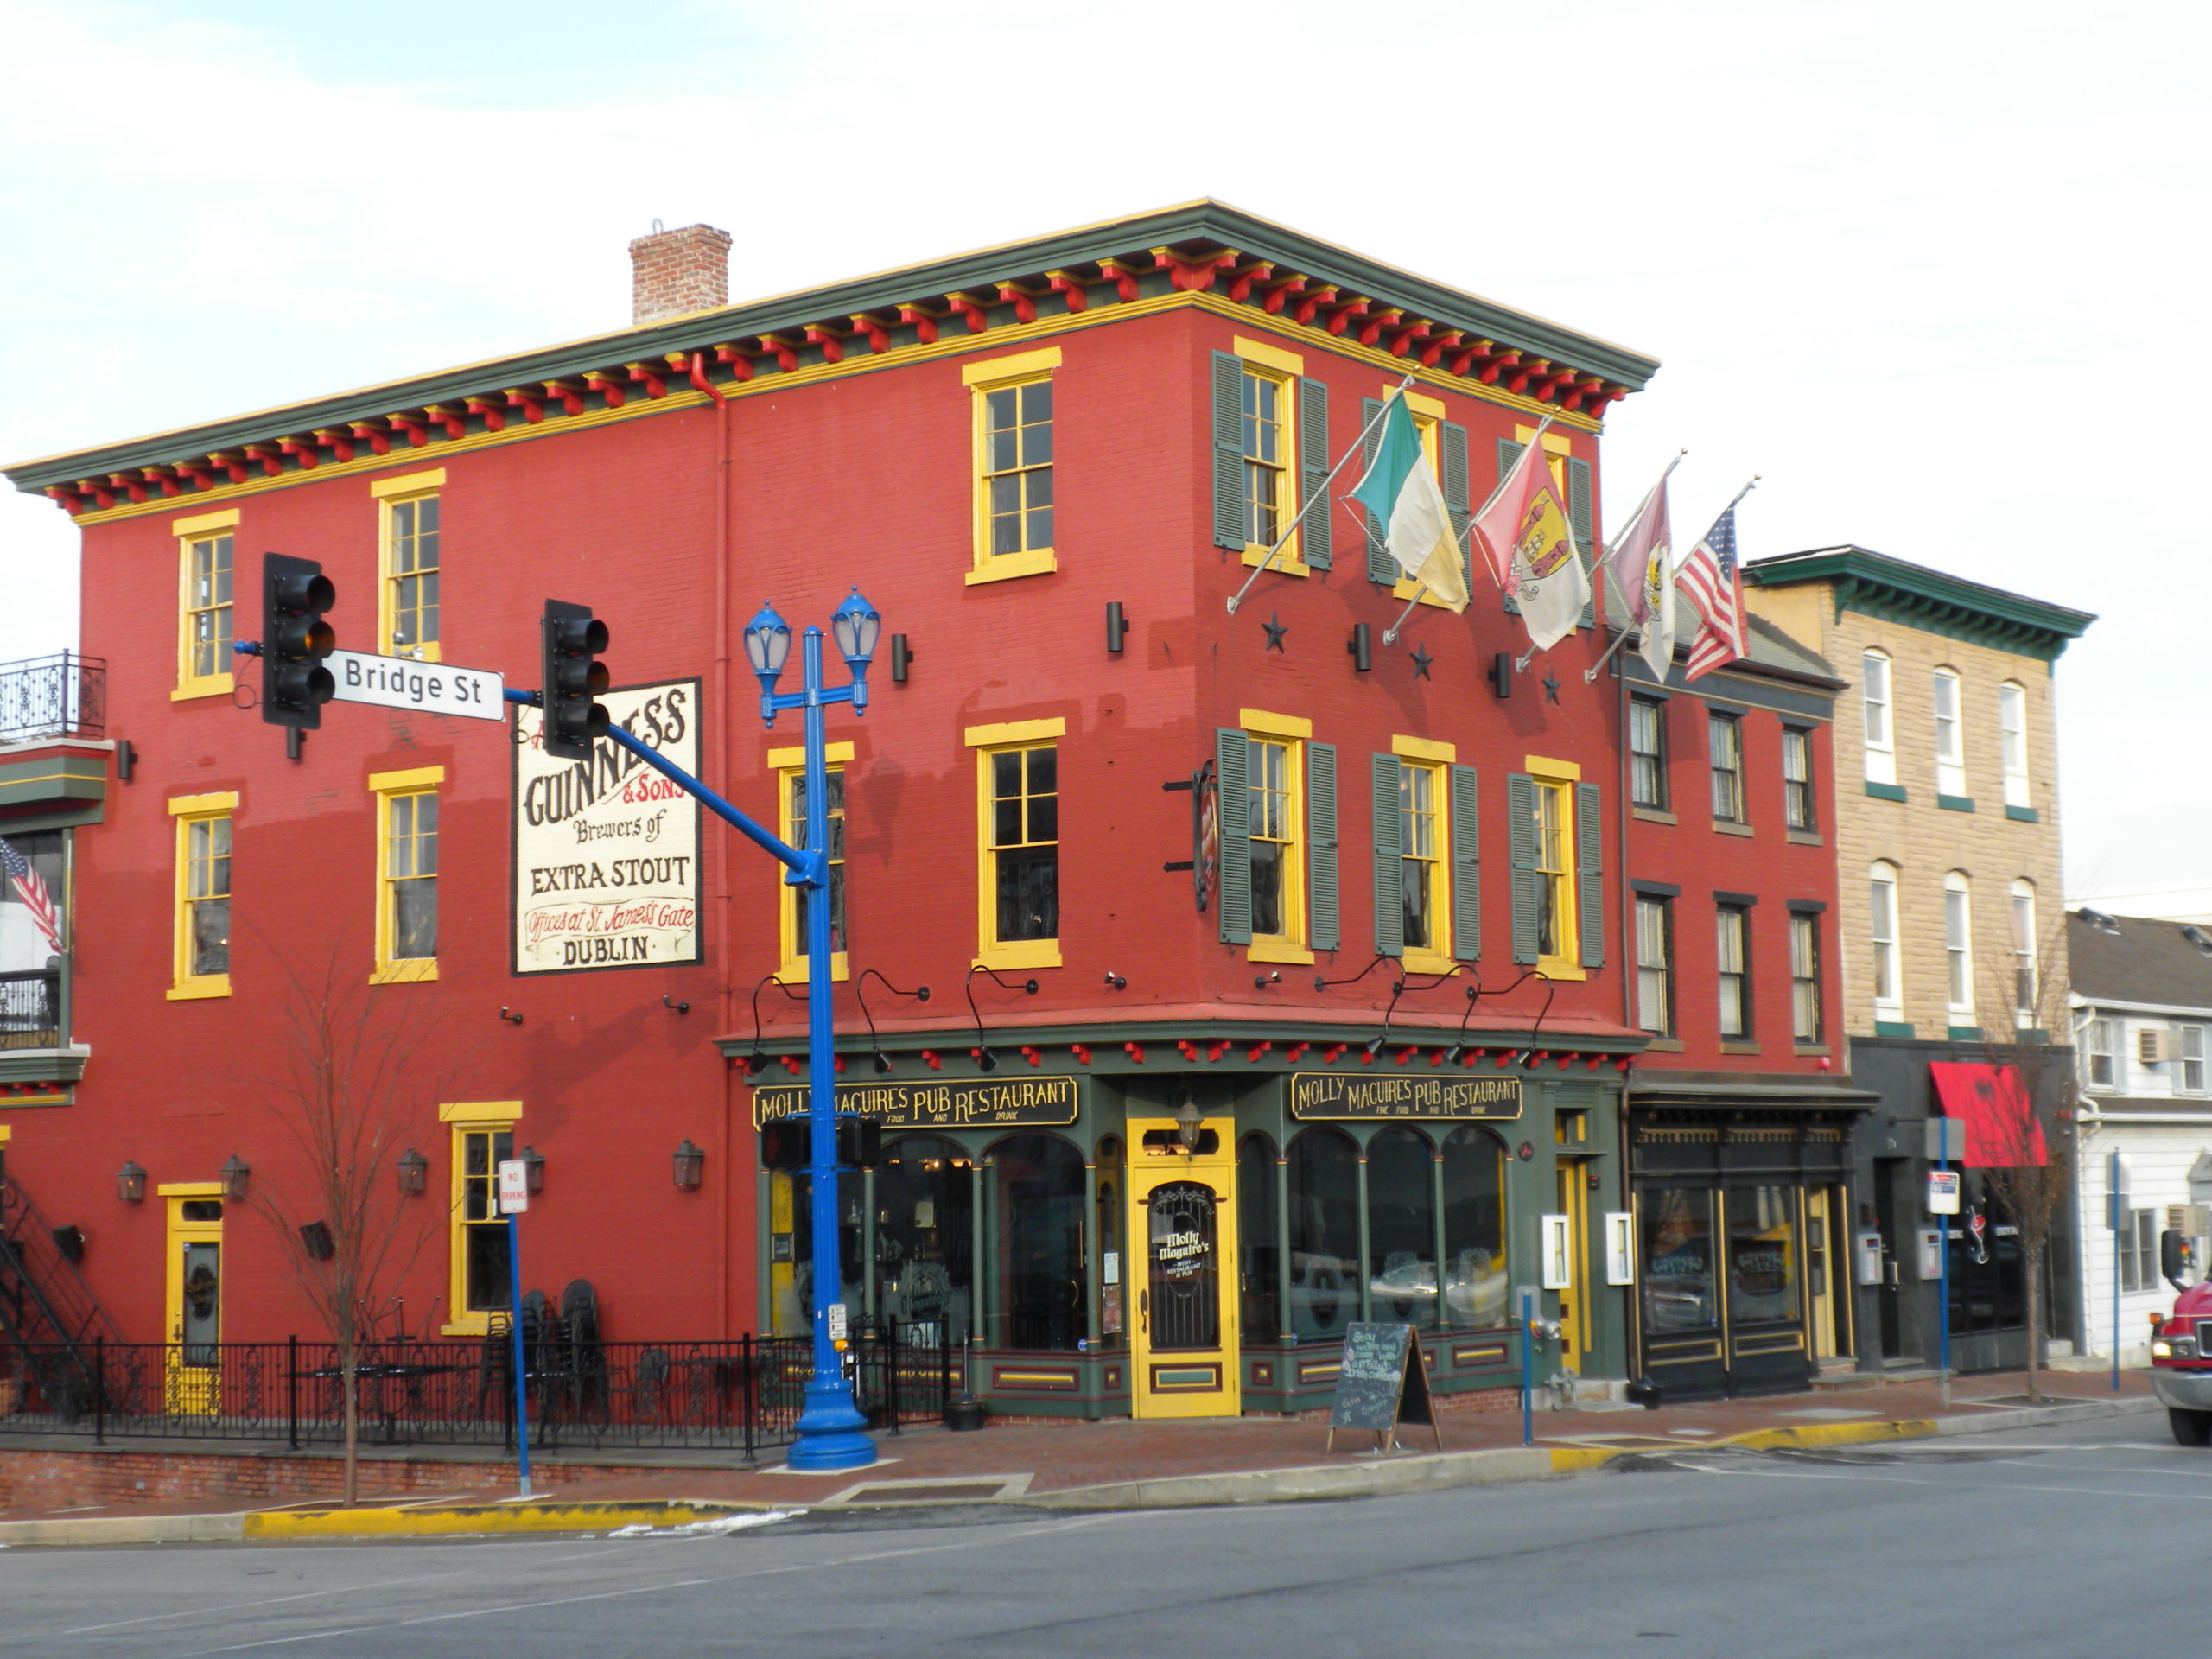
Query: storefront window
[
  {"x": 1762, "y": 1255},
  {"x": 1113, "y": 1245},
  {"x": 792, "y": 1281},
  {"x": 925, "y": 1234},
  {"x": 1255, "y": 1238},
  {"x": 1679, "y": 1289},
  {"x": 1038, "y": 1209},
  {"x": 1324, "y": 1288},
  {"x": 1475, "y": 1290},
  {"x": 1402, "y": 1229}
]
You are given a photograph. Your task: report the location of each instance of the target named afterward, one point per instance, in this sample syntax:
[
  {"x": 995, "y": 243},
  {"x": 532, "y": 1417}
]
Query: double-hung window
[
  {"x": 1882, "y": 943},
  {"x": 1654, "y": 963},
  {"x": 407, "y": 873},
  {"x": 1276, "y": 811},
  {"x": 206, "y": 551},
  {"x": 1013, "y": 464},
  {"x": 1724, "y": 735},
  {"x": 480, "y": 1278},
  {"x": 1018, "y": 839},
  {"x": 408, "y": 541},
  {"x": 1272, "y": 820},
  {"x": 2027, "y": 989},
  {"x": 1806, "y": 1024},
  {"x": 2138, "y": 1251},
  {"x": 1555, "y": 835},
  {"x": 1734, "y": 962},
  {"x": 1270, "y": 488},
  {"x": 1950, "y": 739},
  {"x": 201, "y": 950},
  {"x": 2103, "y": 1051},
  {"x": 2012, "y": 740},
  {"x": 1647, "y": 745},
  {"x": 1421, "y": 882},
  {"x": 790, "y": 765},
  {"x": 1958, "y": 947},
  {"x": 2191, "y": 1077},
  {"x": 1798, "y": 811},
  {"x": 1874, "y": 702}
]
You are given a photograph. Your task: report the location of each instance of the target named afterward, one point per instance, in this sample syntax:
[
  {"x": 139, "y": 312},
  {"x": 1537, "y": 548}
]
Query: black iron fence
[
  {"x": 30, "y": 1010},
  {"x": 64, "y": 696},
  {"x": 742, "y": 1395}
]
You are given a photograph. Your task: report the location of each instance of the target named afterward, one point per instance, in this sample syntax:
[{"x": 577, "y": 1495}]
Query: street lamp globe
[
  {"x": 854, "y": 624},
  {"x": 767, "y": 642}
]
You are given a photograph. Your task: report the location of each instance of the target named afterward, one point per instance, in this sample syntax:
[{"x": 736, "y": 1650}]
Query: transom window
[
  {"x": 1874, "y": 702},
  {"x": 1421, "y": 876},
  {"x": 1647, "y": 743},
  {"x": 1655, "y": 964},
  {"x": 1724, "y": 734},
  {"x": 1734, "y": 967},
  {"x": 1024, "y": 843},
  {"x": 1268, "y": 494},
  {"x": 1797, "y": 805},
  {"x": 411, "y": 575},
  {"x": 1018, "y": 466},
  {"x": 1271, "y": 788},
  {"x": 207, "y": 607}
]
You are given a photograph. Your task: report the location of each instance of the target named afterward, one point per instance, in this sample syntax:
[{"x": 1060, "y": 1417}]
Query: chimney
[{"x": 674, "y": 272}]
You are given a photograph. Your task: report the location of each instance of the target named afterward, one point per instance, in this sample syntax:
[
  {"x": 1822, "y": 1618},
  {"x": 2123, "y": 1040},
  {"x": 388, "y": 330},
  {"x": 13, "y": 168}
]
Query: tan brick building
[{"x": 1947, "y": 838}]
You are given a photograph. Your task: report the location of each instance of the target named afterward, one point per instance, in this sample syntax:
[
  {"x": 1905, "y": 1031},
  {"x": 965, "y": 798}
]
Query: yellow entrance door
[
  {"x": 193, "y": 1374},
  {"x": 1183, "y": 1271},
  {"x": 1574, "y": 1300}
]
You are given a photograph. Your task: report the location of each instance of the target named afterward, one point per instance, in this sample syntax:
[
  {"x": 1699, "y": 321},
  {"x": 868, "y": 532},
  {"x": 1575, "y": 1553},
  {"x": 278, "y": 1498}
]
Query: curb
[{"x": 480, "y": 1520}]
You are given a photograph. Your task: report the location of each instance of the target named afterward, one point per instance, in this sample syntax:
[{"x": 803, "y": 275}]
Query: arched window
[
  {"x": 1256, "y": 1239},
  {"x": 1475, "y": 1281},
  {"x": 1874, "y": 699},
  {"x": 1882, "y": 941},
  {"x": 2013, "y": 737},
  {"x": 1037, "y": 1301},
  {"x": 925, "y": 1236},
  {"x": 1401, "y": 1227},
  {"x": 1950, "y": 739},
  {"x": 1323, "y": 1289},
  {"x": 1958, "y": 947},
  {"x": 2026, "y": 990}
]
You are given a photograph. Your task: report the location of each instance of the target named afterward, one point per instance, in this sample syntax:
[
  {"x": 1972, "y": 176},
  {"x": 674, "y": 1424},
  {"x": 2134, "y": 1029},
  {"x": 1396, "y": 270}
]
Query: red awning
[{"x": 2002, "y": 1132}]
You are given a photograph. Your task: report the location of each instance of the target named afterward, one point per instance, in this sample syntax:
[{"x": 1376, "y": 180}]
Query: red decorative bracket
[
  {"x": 1315, "y": 297},
  {"x": 1257, "y": 1050},
  {"x": 1215, "y": 1049},
  {"x": 1497, "y": 364},
  {"x": 1289, "y": 288},
  {"x": 1035, "y": 1057},
  {"x": 837, "y": 1063},
  {"x": 303, "y": 450},
  {"x": 1134, "y": 1051},
  {"x": 1376, "y": 322},
  {"x": 932, "y": 1059},
  {"x": 162, "y": 476},
  {"x": 831, "y": 342},
  {"x": 129, "y": 486},
  {"x": 495, "y": 414},
  {"x": 607, "y": 387},
  {"x": 785, "y": 350},
  {"x": 232, "y": 464},
  {"x": 1292, "y": 1053},
  {"x": 924, "y": 320},
  {"x": 791, "y": 1064},
  {"x": 531, "y": 404},
  {"x": 1023, "y": 301},
  {"x": 1331, "y": 1054},
  {"x": 1407, "y": 1054},
  {"x": 341, "y": 444},
  {"x": 1193, "y": 274},
  {"x": 572, "y": 401},
  {"x": 1123, "y": 276},
  {"x": 740, "y": 362},
  {"x": 454, "y": 422},
  {"x": 1081, "y": 1052},
  {"x": 1240, "y": 287},
  {"x": 1435, "y": 345},
  {"x": 1189, "y": 1049},
  {"x": 1070, "y": 287},
  {"x": 1340, "y": 317},
  {"x": 417, "y": 433},
  {"x": 653, "y": 379},
  {"x": 378, "y": 438},
  {"x": 968, "y": 307},
  {"x": 875, "y": 330},
  {"x": 272, "y": 463}
]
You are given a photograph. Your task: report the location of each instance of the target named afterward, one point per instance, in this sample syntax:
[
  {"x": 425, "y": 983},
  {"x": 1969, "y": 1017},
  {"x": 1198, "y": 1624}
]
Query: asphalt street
[{"x": 2050, "y": 1542}]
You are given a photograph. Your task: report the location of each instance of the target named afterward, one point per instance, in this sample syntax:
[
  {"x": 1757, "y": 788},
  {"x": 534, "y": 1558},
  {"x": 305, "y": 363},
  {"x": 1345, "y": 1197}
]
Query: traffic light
[
  {"x": 787, "y": 1143},
  {"x": 295, "y": 639},
  {"x": 572, "y": 677}
]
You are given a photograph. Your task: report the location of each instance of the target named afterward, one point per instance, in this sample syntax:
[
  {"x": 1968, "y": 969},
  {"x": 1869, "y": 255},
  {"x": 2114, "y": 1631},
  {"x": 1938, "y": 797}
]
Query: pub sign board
[
  {"x": 606, "y": 850},
  {"x": 1329, "y": 1094},
  {"x": 953, "y": 1103}
]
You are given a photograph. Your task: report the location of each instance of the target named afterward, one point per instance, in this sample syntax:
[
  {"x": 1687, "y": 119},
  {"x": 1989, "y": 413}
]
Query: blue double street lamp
[{"x": 832, "y": 1434}]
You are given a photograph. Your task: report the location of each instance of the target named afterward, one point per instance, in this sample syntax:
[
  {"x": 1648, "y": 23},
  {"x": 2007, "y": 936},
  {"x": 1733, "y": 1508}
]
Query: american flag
[
  {"x": 1715, "y": 586},
  {"x": 32, "y": 889}
]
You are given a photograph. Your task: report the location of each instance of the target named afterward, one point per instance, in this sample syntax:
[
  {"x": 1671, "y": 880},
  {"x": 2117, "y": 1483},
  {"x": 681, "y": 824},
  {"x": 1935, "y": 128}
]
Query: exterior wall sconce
[
  {"x": 691, "y": 1165},
  {"x": 131, "y": 1182},
  {"x": 533, "y": 1164},
  {"x": 1362, "y": 647},
  {"x": 1189, "y": 1124},
  {"x": 236, "y": 1173},
  {"x": 1501, "y": 675},
  {"x": 901, "y": 655},
  {"x": 1117, "y": 625},
  {"x": 70, "y": 1241},
  {"x": 414, "y": 1173}
]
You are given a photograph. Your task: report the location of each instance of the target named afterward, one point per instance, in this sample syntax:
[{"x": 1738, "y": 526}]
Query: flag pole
[
  {"x": 1390, "y": 634},
  {"x": 1321, "y": 494},
  {"x": 1635, "y": 518},
  {"x": 1701, "y": 618}
]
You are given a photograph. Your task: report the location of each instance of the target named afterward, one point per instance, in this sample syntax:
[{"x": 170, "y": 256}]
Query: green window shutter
[
  {"x": 1507, "y": 452},
  {"x": 1590, "y": 874},
  {"x": 1578, "y": 517},
  {"x": 1227, "y": 451},
  {"x": 1521, "y": 848},
  {"x": 1236, "y": 819},
  {"x": 1322, "y": 923},
  {"x": 1381, "y": 567},
  {"x": 1389, "y": 871},
  {"x": 1451, "y": 458},
  {"x": 1467, "y": 867},
  {"x": 1314, "y": 528}
]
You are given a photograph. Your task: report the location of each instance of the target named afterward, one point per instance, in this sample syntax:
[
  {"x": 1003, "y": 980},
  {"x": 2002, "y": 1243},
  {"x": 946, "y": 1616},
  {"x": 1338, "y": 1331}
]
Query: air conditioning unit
[{"x": 2154, "y": 1044}]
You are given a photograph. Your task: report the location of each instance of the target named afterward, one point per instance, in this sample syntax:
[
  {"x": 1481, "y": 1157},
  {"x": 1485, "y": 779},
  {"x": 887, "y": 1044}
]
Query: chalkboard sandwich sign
[{"x": 1383, "y": 1382}]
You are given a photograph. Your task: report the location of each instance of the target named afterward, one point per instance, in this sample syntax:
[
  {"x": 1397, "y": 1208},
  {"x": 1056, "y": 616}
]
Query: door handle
[{"x": 1144, "y": 1312}]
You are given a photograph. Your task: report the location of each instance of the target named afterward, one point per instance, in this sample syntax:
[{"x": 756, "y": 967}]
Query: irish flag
[{"x": 1401, "y": 492}]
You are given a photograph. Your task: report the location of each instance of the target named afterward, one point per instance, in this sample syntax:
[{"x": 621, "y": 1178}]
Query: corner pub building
[{"x": 1276, "y": 976}]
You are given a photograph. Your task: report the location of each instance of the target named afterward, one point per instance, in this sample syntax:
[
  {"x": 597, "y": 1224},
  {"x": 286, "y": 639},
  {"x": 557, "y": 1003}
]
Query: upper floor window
[
  {"x": 2191, "y": 1077},
  {"x": 1272, "y": 820},
  {"x": 1724, "y": 734},
  {"x": 1958, "y": 947},
  {"x": 1554, "y": 827},
  {"x": 1805, "y": 1023},
  {"x": 409, "y": 542},
  {"x": 1013, "y": 464},
  {"x": 1647, "y": 745},
  {"x": 1270, "y": 494},
  {"x": 1882, "y": 941},
  {"x": 1277, "y": 876},
  {"x": 407, "y": 873},
  {"x": 202, "y": 925},
  {"x": 1422, "y": 883},
  {"x": 2013, "y": 737},
  {"x": 1734, "y": 962},
  {"x": 204, "y": 649},
  {"x": 1797, "y": 804},
  {"x": 2026, "y": 989},
  {"x": 1018, "y": 843},
  {"x": 1655, "y": 964},
  {"x": 1950, "y": 742},
  {"x": 796, "y": 922},
  {"x": 1874, "y": 700},
  {"x": 2102, "y": 1049}
]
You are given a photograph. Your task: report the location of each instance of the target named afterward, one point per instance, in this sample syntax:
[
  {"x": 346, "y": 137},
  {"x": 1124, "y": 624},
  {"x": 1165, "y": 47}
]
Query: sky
[{"x": 1934, "y": 271}]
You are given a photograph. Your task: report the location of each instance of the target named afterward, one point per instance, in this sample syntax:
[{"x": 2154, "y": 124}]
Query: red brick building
[{"x": 1048, "y": 465}]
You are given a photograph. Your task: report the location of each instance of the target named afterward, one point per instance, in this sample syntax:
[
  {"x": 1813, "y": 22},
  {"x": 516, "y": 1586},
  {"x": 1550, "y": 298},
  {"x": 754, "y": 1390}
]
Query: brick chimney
[{"x": 674, "y": 272}]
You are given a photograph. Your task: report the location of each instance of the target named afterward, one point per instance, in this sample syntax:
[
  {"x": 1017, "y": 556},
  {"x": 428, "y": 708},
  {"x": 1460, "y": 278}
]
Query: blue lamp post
[{"x": 831, "y": 1430}]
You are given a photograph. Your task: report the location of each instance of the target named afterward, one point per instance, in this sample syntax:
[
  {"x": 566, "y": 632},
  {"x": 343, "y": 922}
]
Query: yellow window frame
[
  {"x": 388, "y": 786},
  {"x": 192, "y": 534},
  {"x": 1433, "y": 759},
  {"x": 391, "y": 494},
  {"x": 790, "y": 764},
  {"x": 188, "y": 810},
  {"x": 1428, "y": 415},
  {"x": 1555, "y": 781},
  {"x": 1289, "y": 944},
  {"x": 987, "y": 741},
  {"x": 1284, "y": 368},
  {"x": 1003, "y": 374},
  {"x": 465, "y": 1118}
]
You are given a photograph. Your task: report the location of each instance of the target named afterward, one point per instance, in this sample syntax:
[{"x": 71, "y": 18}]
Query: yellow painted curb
[
  {"x": 479, "y": 1518},
  {"x": 1580, "y": 1459},
  {"x": 1768, "y": 1439}
]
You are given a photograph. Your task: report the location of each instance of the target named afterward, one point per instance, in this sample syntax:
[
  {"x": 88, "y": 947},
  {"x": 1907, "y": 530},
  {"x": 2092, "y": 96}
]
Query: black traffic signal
[
  {"x": 295, "y": 639},
  {"x": 572, "y": 676},
  {"x": 787, "y": 1143}
]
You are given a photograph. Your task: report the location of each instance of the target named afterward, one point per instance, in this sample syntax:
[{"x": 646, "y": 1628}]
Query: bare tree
[{"x": 359, "y": 1084}]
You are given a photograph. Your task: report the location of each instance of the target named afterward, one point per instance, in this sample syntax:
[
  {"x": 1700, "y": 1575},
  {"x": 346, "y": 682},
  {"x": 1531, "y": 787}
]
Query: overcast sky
[{"x": 1936, "y": 270}]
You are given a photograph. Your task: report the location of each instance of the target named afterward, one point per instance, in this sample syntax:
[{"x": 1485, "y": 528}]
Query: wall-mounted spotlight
[
  {"x": 901, "y": 654},
  {"x": 1119, "y": 981},
  {"x": 511, "y": 1016},
  {"x": 1501, "y": 675},
  {"x": 1117, "y": 625},
  {"x": 671, "y": 1003},
  {"x": 1362, "y": 647}
]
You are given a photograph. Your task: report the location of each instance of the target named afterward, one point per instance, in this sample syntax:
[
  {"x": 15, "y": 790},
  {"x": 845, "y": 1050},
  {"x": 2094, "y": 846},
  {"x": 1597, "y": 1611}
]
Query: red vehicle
[{"x": 2181, "y": 1365}]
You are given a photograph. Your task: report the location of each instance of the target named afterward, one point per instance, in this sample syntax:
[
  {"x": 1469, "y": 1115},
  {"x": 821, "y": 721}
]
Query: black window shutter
[
  {"x": 1467, "y": 867},
  {"x": 1578, "y": 517},
  {"x": 1389, "y": 871},
  {"x": 1235, "y": 818},
  {"x": 1521, "y": 849},
  {"x": 1313, "y": 530},
  {"x": 1381, "y": 567},
  {"x": 1507, "y": 452},
  {"x": 1322, "y": 904},
  {"x": 1590, "y": 873},
  {"x": 1452, "y": 456},
  {"x": 1227, "y": 451}
]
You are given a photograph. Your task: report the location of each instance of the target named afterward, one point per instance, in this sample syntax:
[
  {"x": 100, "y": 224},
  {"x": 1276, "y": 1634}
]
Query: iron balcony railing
[
  {"x": 30, "y": 1010},
  {"x": 64, "y": 696}
]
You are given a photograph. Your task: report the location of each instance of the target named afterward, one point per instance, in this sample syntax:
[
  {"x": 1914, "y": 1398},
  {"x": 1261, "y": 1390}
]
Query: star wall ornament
[
  {"x": 1421, "y": 660},
  {"x": 1551, "y": 687},
  {"x": 1276, "y": 628}
]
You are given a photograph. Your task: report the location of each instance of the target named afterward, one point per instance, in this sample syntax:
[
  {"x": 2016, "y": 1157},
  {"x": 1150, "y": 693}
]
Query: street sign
[
  {"x": 514, "y": 1186},
  {"x": 837, "y": 1312},
  {"x": 1942, "y": 1192},
  {"x": 1947, "y": 1139},
  {"x": 434, "y": 688}
]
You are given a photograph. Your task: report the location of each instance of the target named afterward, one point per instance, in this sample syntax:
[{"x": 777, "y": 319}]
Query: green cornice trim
[
  {"x": 1915, "y": 596},
  {"x": 51, "y": 778}
]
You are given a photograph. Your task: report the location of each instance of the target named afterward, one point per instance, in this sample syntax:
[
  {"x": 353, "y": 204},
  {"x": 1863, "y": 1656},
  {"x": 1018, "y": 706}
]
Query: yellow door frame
[
  {"x": 1574, "y": 1176},
  {"x": 195, "y": 1389},
  {"x": 1201, "y": 1382}
]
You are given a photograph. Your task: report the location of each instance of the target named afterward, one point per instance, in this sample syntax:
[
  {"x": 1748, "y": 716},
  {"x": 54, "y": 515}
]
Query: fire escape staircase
[{"x": 49, "y": 1319}]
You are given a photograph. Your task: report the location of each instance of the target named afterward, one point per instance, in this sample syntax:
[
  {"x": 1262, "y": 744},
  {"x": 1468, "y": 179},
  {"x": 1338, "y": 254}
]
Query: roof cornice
[{"x": 1876, "y": 585}]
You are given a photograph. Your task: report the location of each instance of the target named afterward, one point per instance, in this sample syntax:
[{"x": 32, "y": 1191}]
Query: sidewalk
[{"x": 1115, "y": 1465}]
